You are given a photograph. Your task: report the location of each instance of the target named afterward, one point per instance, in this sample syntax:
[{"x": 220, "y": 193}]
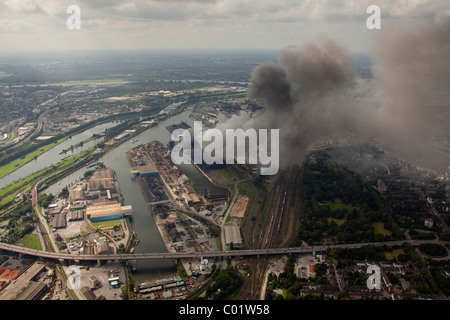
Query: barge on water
[{"x": 133, "y": 265}]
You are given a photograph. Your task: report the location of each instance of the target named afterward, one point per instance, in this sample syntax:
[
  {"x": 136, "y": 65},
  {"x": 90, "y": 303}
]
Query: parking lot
[
  {"x": 102, "y": 274},
  {"x": 73, "y": 229}
]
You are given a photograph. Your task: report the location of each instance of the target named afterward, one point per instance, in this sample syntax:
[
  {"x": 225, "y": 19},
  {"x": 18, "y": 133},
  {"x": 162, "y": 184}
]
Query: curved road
[
  {"x": 228, "y": 210},
  {"x": 183, "y": 255}
]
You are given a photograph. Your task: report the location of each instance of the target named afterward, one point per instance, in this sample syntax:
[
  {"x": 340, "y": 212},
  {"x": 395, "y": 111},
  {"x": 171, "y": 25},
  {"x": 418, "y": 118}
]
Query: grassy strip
[
  {"x": 88, "y": 81},
  {"x": 290, "y": 228},
  {"x": 43, "y": 230},
  {"x": 34, "y": 146},
  {"x": 337, "y": 221},
  {"x": 65, "y": 167},
  {"x": 16, "y": 164},
  {"x": 22, "y": 184},
  {"x": 25, "y": 183},
  {"x": 393, "y": 254},
  {"x": 55, "y": 172},
  {"x": 106, "y": 224},
  {"x": 219, "y": 244},
  {"x": 31, "y": 241},
  {"x": 74, "y": 295},
  {"x": 379, "y": 228},
  {"x": 245, "y": 189},
  {"x": 226, "y": 174},
  {"x": 128, "y": 289}
]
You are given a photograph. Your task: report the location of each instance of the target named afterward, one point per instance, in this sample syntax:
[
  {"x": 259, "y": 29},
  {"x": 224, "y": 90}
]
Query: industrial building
[
  {"x": 76, "y": 195},
  {"x": 78, "y": 205},
  {"x": 76, "y": 215},
  {"x": 102, "y": 179},
  {"x": 103, "y": 248},
  {"x": 95, "y": 283},
  {"x": 191, "y": 198},
  {"x": 233, "y": 236},
  {"x": 107, "y": 211},
  {"x": 59, "y": 221},
  {"x": 87, "y": 292},
  {"x": 219, "y": 197},
  {"x": 145, "y": 170}
]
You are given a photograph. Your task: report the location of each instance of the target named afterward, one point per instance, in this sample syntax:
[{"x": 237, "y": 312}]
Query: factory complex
[
  {"x": 107, "y": 211},
  {"x": 98, "y": 197}
]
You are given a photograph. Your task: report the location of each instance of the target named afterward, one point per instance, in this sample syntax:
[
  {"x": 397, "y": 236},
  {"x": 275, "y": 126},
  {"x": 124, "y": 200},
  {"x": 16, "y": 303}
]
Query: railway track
[{"x": 273, "y": 216}]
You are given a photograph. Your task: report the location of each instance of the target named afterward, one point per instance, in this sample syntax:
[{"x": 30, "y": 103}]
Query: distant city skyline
[{"x": 40, "y": 25}]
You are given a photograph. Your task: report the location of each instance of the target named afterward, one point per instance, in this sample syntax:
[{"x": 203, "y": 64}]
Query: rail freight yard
[{"x": 190, "y": 221}]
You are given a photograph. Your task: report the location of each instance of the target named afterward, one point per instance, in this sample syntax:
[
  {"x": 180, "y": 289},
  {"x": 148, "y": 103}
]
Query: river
[
  {"x": 54, "y": 155},
  {"x": 142, "y": 221}
]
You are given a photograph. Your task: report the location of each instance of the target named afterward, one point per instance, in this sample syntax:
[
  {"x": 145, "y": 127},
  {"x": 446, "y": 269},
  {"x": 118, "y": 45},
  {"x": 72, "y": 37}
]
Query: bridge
[{"x": 210, "y": 254}]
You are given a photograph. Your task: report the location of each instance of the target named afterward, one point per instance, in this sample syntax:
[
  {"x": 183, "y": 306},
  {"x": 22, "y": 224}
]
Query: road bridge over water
[{"x": 210, "y": 254}]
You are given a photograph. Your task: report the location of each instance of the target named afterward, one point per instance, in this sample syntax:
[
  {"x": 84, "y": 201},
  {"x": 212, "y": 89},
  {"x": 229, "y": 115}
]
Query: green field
[
  {"x": 25, "y": 184},
  {"x": 379, "y": 228},
  {"x": 107, "y": 223},
  {"x": 226, "y": 174},
  {"x": 337, "y": 204},
  {"x": 89, "y": 81},
  {"x": 245, "y": 189},
  {"x": 14, "y": 165},
  {"x": 337, "y": 221},
  {"x": 31, "y": 241},
  {"x": 394, "y": 254}
]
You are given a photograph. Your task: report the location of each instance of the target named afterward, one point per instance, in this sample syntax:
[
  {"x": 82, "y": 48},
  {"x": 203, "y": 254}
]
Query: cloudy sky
[{"x": 36, "y": 25}]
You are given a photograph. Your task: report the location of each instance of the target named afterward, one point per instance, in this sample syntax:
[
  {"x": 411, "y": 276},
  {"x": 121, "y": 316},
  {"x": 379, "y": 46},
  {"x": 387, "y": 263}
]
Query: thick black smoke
[{"x": 313, "y": 92}]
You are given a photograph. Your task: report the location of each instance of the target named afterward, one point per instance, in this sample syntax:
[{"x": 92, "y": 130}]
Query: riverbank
[
  {"x": 16, "y": 164},
  {"x": 58, "y": 170},
  {"x": 204, "y": 174},
  {"x": 180, "y": 232},
  {"x": 142, "y": 187},
  {"x": 34, "y": 149},
  {"x": 147, "y": 230}
]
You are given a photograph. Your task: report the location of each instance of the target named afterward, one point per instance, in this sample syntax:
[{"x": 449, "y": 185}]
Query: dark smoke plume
[
  {"x": 411, "y": 65},
  {"x": 313, "y": 92}
]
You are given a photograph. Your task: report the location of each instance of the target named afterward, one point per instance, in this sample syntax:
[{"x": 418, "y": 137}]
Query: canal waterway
[{"x": 142, "y": 222}]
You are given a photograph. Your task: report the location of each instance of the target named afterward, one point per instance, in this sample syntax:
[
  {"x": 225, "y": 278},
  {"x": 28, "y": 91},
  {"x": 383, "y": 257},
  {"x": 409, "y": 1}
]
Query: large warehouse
[
  {"x": 59, "y": 221},
  {"x": 233, "y": 235},
  {"x": 145, "y": 170},
  {"x": 107, "y": 211},
  {"x": 101, "y": 179},
  {"x": 25, "y": 287}
]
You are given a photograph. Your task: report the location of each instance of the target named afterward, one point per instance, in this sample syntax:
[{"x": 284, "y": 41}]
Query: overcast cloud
[{"x": 116, "y": 24}]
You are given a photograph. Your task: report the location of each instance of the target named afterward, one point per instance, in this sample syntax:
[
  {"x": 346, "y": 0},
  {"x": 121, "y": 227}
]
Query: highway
[{"x": 210, "y": 254}]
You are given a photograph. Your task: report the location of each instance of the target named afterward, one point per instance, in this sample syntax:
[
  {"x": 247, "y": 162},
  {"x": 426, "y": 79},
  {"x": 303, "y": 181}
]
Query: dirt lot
[
  {"x": 239, "y": 206},
  {"x": 9, "y": 274}
]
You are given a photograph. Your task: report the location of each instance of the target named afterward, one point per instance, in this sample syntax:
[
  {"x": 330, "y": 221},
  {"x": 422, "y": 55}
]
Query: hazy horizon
[{"x": 40, "y": 25}]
